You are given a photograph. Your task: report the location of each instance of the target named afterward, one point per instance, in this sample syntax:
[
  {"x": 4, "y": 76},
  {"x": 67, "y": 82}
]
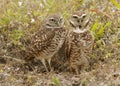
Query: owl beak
[{"x": 77, "y": 28}]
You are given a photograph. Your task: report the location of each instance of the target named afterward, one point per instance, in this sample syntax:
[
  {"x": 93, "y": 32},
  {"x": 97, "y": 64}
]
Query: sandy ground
[{"x": 101, "y": 74}]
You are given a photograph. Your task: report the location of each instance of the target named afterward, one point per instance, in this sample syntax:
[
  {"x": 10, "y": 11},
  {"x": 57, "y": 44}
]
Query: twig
[{"x": 18, "y": 60}]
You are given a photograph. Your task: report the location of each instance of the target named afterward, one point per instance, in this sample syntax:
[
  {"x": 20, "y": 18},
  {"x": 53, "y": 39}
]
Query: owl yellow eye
[{"x": 52, "y": 19}]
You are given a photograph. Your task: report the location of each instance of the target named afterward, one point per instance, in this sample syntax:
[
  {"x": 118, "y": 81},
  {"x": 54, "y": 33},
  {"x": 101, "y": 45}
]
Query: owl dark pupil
[
  {"x": 52, "y": 20},
  {"x": 82, "y": 20},
  {"x": 84, "y": 16}
]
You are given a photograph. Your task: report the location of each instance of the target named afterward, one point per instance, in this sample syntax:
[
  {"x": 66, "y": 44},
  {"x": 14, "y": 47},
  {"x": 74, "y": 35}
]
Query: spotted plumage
[
  {"x": 46, "y": 42},
  {"x": 79, "y": 42}
]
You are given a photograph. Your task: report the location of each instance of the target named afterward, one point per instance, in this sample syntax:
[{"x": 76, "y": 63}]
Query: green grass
[
  {"x": 56, "y": 81},
  {"x": 116, "y": 3},
  {"x": 98, "y": 29}
]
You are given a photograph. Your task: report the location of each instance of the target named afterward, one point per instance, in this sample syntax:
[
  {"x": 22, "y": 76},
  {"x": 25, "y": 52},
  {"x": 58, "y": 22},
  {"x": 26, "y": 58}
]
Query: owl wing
[
  {"x": 68, "y": 45},
  {"x": 39, "y": 41},
  {"x": 42, "y": 39}
]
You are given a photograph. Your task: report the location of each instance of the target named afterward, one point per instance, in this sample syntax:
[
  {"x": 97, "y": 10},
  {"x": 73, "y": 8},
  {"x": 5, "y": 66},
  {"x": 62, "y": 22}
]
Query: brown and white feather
[
  {"x": 79, "y": 42},
  {"x": 46, "y": 42}
]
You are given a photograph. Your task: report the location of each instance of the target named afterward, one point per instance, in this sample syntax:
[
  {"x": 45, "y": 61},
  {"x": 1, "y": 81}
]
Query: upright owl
[
  {"x": 46, "y": 42},
  {"x": 79, "y": 42}
]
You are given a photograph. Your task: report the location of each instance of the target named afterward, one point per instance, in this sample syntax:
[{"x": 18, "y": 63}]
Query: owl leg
[
  {"x": 49, "y": 62},
  {"x": 77, "y": 71},
  {"x": 74, "y": 70},
  {"x": 85, "y": 62},
  {"x": 43, "y": 62}
]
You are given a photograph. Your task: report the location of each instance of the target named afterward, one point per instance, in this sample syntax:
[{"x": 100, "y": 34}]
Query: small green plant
[
  {"x": 16, "y": 35},
  {"x": 115, "y": 3},
  {"x": 98, "y": 29},
  {"x": 84, "y": 82},
  {"x": 95, "y": 27},
  {"x": 4, "y": 20},
  {"x": 56, "y": 81}
]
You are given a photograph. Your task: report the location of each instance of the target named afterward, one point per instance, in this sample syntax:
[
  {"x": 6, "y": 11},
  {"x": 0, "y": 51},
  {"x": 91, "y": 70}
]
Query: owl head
[
  {"x": 54, "y": 21},
  {"x": 79, "y": 20}
]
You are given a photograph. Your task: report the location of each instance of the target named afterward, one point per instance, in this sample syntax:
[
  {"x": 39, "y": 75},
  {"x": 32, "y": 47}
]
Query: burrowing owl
[
  {"x": 79, "y": 42},
  {"x": 48, "y": 40}
]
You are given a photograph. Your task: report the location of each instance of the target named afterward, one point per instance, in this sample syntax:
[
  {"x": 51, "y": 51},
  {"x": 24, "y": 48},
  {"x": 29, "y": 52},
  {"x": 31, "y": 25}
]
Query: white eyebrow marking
[
  {"x": 76, "y": 16},
  {"x": 83, "y": 15}
]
